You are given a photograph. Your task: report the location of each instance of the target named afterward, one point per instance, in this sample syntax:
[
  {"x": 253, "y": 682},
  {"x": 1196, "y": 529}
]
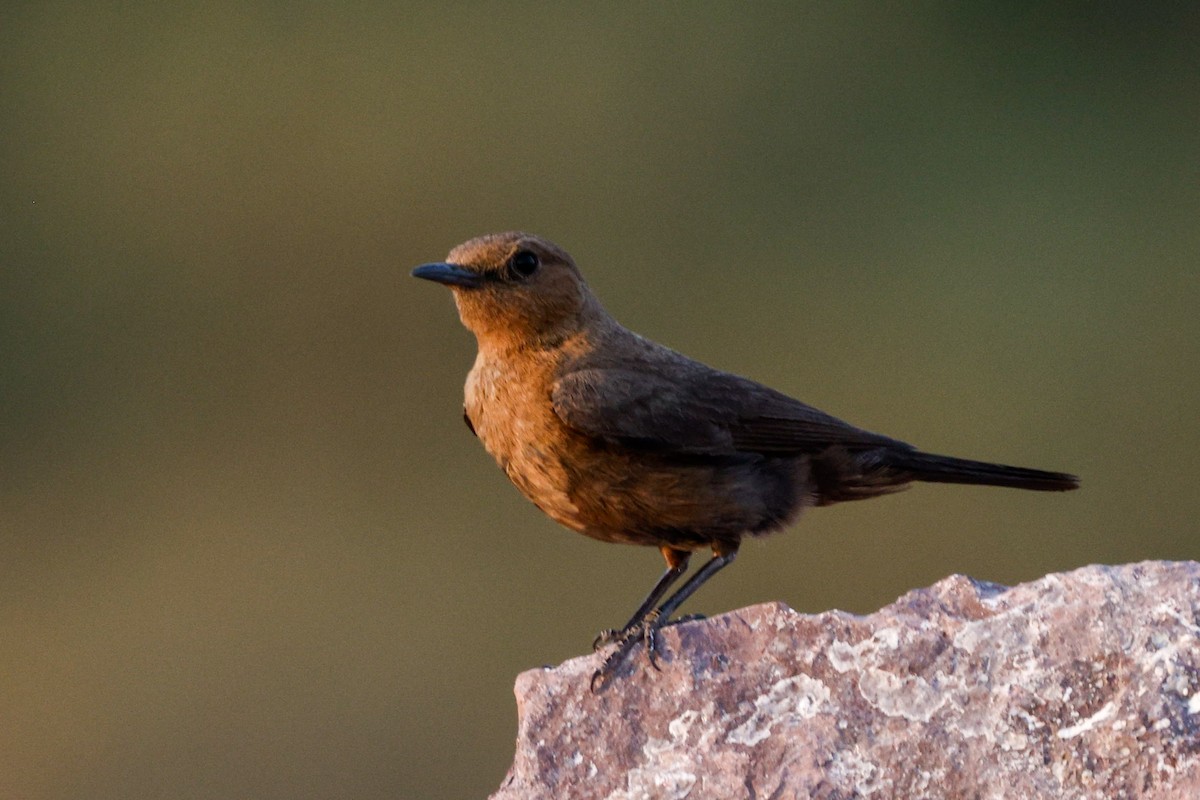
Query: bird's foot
[
  {"x": 606, "y": 637},
  {"x": 644, "y": 630},
  {"x": 610, "y": 635}
]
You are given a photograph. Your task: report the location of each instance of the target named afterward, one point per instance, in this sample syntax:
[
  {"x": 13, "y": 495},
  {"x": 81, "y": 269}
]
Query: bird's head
[{"x": 513, "y": 288}]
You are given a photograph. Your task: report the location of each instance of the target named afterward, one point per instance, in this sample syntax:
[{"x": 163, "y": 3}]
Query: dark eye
[{"x": 524, "y": 263}]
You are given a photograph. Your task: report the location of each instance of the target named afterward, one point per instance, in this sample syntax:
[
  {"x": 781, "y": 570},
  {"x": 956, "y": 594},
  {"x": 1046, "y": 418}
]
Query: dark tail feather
[{"x": 947, "y": 469}]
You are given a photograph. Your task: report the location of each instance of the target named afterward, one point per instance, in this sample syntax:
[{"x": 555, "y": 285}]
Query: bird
[{"x": 627, "y": 441}]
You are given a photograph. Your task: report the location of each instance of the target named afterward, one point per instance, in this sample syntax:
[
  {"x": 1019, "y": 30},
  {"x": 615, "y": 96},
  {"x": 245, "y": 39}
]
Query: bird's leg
[
  {"x": 647, "y": 627},
  {"x": 677, "y": 563},
  {"x": 723, "y": 556}
]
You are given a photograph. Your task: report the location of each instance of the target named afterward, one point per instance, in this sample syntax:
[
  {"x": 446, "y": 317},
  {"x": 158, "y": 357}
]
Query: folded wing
[{"x": 702, "y": 412}]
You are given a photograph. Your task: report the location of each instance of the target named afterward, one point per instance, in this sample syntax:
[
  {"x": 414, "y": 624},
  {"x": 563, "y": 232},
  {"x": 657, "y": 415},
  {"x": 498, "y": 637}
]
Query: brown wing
[
  {"x": 641, "y": 408},
  {"x": 779, "y": 424},
  {"x": 705, "y": 411}
]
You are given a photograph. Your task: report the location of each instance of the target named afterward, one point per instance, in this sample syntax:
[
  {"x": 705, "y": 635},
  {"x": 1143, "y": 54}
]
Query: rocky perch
[{"x": 1078, "y": 685}]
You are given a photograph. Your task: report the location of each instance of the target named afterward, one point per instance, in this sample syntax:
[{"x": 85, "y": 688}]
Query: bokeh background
[{"x": 247, "y": 547}]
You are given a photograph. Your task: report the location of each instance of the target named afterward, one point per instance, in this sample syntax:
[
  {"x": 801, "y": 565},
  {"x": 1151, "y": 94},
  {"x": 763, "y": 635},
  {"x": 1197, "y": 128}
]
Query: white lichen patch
[
  {"x": 845, "y": 657},
  {"x": 680, "y": 728},
  {"x": 787, "y": 702},
  {"x": 645, "y": 783},
  {"x": 850, "y": 768},
  {"x": 910, "y": 696},
  {"x": 971, "y": 634},
  {"x": 1012, "y": 741},
  {"x": 1017, "y": 628},
  {"x": 670, "y": 768}
]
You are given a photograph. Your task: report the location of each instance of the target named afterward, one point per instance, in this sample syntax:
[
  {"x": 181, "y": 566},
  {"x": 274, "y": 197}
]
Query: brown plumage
[{"x": 625, "y": 440}]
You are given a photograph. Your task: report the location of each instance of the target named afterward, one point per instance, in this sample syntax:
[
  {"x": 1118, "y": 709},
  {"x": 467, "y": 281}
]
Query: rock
[{"x": 1078, "y": 685}]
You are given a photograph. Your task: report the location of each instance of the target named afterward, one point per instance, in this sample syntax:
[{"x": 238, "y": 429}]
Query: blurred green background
[{"x": 248, "y": 547}]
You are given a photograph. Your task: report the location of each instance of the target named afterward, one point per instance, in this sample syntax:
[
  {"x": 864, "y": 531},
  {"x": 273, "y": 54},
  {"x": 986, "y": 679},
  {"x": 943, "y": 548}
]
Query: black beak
[{"x": 449, "y": 274}]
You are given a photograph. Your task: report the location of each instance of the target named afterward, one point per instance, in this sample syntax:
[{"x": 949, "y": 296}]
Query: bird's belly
[
  {"x": 545, "y": 478},
  {"x": 619, "y": 495},
  {"x": 602, "y": 494}
]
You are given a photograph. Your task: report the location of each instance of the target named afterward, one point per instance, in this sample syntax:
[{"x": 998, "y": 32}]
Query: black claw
[
  {"x": 652, "y": 655},
  {"x": 644, "y": 630},
  {"x": 606, "y": 636},
  {"x": 612, "y": 663},
  {"x": 650, "y": 626}
]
